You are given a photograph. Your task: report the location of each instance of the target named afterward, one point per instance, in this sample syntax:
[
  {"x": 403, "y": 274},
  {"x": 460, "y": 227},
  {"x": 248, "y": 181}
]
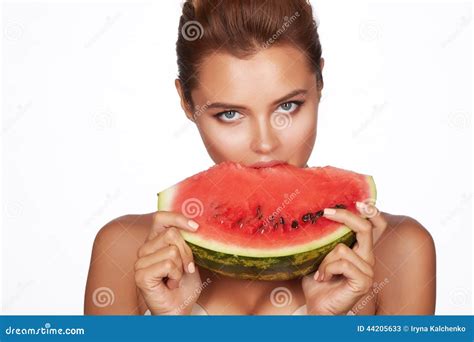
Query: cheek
[
  {"x": 224, "y": 142},
  {"x": 302, "y": 129}
]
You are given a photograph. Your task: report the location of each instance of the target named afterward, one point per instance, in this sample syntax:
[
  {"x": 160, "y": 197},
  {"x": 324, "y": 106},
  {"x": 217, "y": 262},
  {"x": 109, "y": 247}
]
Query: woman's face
[{"x": 260, "y": 109}]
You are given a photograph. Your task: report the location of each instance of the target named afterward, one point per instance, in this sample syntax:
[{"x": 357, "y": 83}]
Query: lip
[{"x": 268, "y": 163}]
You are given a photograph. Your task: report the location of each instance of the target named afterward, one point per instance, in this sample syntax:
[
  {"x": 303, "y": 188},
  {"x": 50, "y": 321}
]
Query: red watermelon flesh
[{"x": 266, "y": 212}]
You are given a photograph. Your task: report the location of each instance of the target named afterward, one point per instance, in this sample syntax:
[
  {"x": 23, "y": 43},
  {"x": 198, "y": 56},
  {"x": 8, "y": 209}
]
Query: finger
[
  {"x": 362, "y": 228},
  {"x": 367, "y": 209},
  {"x": 171, "y": 236},
  {"x": 342, "y": 251},
  {"x": 356, "y": 279},
  {"x": 167, "y": 219},
  {"x": 171, "y": 252},
  {"x": 152, "y": 276},
  {"x": 371, "y": 212},
  {"x": 172, "y": 284}
]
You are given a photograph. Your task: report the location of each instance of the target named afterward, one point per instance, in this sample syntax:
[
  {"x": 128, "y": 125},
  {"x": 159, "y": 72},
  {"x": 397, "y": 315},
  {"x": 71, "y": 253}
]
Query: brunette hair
[{"x": 242, "y": 28}]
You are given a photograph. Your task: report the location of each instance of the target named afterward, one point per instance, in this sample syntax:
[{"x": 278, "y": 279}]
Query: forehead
[{"x": 271, "y": 72}]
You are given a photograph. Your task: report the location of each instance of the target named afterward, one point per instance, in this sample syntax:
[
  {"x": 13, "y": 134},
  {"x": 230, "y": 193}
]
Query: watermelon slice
[{"x": 266, "y": 223}]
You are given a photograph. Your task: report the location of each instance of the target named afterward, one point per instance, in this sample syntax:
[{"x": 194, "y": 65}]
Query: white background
[{"x": 92, "y": 129}]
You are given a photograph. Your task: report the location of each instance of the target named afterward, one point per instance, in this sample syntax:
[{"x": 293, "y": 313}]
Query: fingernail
[
  {"x": 316, "y": 275},
  {"x": 329, "y": 211},
  {"x": 191, "y": 267},
  {"x": 193, "y": 224}
]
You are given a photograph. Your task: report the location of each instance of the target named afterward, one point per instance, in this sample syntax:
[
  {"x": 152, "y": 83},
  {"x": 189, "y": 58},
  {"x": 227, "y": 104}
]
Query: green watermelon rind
[
  {"x": 165, "y": 198},
  {"x": 267, "y": 268}
]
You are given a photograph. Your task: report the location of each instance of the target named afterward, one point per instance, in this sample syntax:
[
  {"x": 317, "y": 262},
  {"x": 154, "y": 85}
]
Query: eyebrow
[{"x": 282, "y": 99}]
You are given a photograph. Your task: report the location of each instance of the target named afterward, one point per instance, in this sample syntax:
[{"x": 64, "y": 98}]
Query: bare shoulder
[
  {"x": 124, "y": 231},
  {"x": 406, "y": 262},
  {"x": 121, "y": 238},
  {"x": 404, "y": 232},
  {"x": 111, "y": 271}
]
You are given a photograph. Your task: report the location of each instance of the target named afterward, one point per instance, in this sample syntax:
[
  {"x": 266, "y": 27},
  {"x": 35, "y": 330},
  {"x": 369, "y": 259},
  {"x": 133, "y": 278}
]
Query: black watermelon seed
[
  {"x": 316, "y": 215},
  {"x": 259, "y": 213},
  {"x": 294, "y": 224},
  {"x": 306, "y": 217},
  {"x": 282, "y": 220},
  {"x": 340, "y": 206}
]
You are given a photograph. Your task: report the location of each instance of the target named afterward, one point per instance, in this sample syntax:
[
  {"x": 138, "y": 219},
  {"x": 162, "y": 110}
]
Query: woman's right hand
[{"x": 165, "y": 272}]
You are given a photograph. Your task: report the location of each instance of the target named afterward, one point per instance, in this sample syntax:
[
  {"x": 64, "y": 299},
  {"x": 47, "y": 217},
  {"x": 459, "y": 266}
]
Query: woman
[{"x": 245, "y": 65}]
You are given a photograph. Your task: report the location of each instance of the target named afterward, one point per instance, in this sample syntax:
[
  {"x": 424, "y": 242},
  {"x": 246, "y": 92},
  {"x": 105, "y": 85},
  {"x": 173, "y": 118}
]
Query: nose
[{"x": 264, "y": 137}]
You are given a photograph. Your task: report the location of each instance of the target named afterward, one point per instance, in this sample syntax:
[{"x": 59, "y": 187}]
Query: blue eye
[
  {"x": 229, "y": 116},
  {"x": 290, "y": 107}
]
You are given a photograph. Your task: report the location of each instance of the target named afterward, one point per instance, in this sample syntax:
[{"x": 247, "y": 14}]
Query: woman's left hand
[{"x": 345, "y": 274}]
